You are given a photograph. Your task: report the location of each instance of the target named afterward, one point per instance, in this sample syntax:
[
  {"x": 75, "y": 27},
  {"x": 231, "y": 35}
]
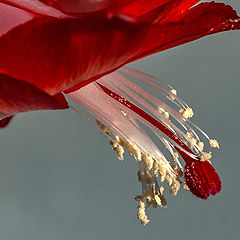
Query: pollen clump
[
  {"x": 186, "y": 113},
  {"x": 133, "y": 150},
  {"x": 166, "y": 114},
  {"x": 163, "y": 112},
  {"x": 117, "y": 147},
  {"x": 156, "y": 168},
  {"x": 177, "y": 171},
  {"x": 169, "y": 179},
  {"x": 148, "y": 160},
  {"x": 193, "y": 143},
  {"x": 214, "y": 143},
  {"x": 148, "y": 177},
  {"x": 175, "y": 187},
  {"x": 189, "y": 134},
  {"x": 142, "y": 211},
  {"x": 201, "y": 145},
  {"x": 120, "y": 152},
  {"x": 149, "y": 170},
  {"x": 174, "y": 92},
  {"x": 175, "y": 156},
  {"x": 206, "y": 156},
  {"x": 119, "y": 140},
  {"x": 185, "y": 186},
  {"x": 192, "y": 140},
  {"x": 152, "y": 193},
  {"x": 158, "y": 200}
]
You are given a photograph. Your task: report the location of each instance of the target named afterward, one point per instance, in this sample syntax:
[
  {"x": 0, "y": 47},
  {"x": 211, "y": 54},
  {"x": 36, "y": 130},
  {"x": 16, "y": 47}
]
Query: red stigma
[{"x": 202, "y": 179}]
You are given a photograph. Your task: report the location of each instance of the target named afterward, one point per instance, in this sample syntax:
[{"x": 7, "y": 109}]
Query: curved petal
[
  {"x": 55, "y": 55},
  {"x": 66, "y": 8},
  {"x": 11, "y": 17},
  {"x": 17, "y": 96},
  {"x": 35, "y": 6},
  {"x": 199, "y": 21},
  {"x": 168, "y": 11},
  {"x": 138, "y": 8},
  {"x": 5, "y": 121},
  {"x": 177, "y": 13},
  {"x": 73, "y": 7}
]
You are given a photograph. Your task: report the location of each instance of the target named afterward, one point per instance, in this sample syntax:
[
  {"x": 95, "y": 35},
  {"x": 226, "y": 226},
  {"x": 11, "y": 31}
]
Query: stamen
[
  {"x": 153, "y": 100},
  {"x": 120, "y": 106},
  {"x": 148, "y": 82},
  {"x": 158, "y": 87},
  {"x": 151, "y": 120}
]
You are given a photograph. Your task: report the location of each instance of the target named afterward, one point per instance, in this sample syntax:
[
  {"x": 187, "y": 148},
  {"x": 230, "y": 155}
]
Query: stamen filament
[
  {"x": 133, "y": 90},
  {"x": 138, "y": 75},
  {"x": 153, "y": 121}
]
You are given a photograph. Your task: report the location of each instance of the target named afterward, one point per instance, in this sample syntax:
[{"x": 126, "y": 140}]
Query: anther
[
  {"x": 213, "y": 143},
  {"x": 186, "y": 113},
  {"x": 206, "y": 156}
]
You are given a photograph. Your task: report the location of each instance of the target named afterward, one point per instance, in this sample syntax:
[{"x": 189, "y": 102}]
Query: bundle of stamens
[{"x": 122, "y": 107}]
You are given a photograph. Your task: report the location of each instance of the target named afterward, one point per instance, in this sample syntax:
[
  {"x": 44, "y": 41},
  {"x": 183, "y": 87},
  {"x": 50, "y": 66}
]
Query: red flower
[
  {"x": 53, "y": 55},
  {"x": 51, "y": 47}
]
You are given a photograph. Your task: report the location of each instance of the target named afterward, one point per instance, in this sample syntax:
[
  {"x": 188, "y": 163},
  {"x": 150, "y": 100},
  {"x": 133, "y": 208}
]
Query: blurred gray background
[{"x": 60, "y": 180}]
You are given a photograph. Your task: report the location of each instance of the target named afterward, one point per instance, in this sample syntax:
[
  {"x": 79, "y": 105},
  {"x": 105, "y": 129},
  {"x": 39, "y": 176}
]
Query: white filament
[{"x": 124, "y": 123}]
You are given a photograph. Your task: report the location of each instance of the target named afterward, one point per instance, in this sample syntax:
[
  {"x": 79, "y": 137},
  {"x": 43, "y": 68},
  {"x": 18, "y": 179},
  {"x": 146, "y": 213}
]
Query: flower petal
[
  {"x": 11, "y": 17},
  {"x": 55, "y": 55},
  {"x": 178, "y": 11},
  {"x": 199, "y": 21},
  {"x": 17, "y": 96},
  {"x": 168, "y": 11},
  {"x": 138, "y": 8},
  {"x": 66, "y": 8},
  {"x": 5, "y": 121},
  {"x": 75, "y": 7},
  {"x": 35, "y": 6}
]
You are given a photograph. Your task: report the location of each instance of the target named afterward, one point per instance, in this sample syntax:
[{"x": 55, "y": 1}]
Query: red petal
[
  {"x": 17, "y": 96},
  {"x": 65, "y": 8},
  {"x": 11, "y": 17},
  {"x": 138, "y": 8},
  {"x": 200, "y": 21},
  {"x": 156, "y": 10},
  {"x": 56, "y": 8},
  {"x": 202, "y": 179},
  {"x": 35, "y": 6},
  {"x": 55, "y": 55},
  {"x": 5, "y": 121},
  {"x": 177, "y": 12},
  {"x": 73, "y": 7}
]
